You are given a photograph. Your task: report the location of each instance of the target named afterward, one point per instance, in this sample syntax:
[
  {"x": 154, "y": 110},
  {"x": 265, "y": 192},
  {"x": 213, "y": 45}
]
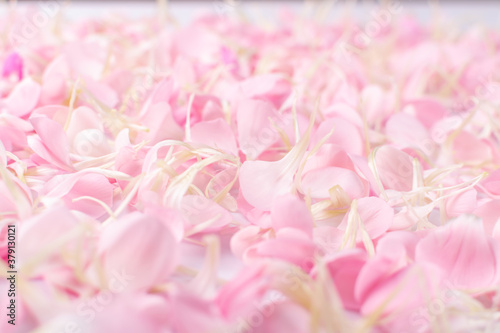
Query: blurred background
[{"x": 462, "y": 12}]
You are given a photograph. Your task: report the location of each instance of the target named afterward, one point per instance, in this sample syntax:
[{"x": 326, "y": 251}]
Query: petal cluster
[{"x": 225, "y": 176}]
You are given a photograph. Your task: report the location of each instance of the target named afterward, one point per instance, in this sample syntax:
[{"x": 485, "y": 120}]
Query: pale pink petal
[
  {"x": 86, "y": 133},
  {"x": 215, "y": 133},
  {"x": 492, "y": 183},
  {"x": 375, "y": 215},
  {"x": 192, "y": 314},
  {"x": 345, "y": 135},
  {"x": 236, "y": 297},
  {"x": 138, "y": 243},
  {"x": 24, "y": 98},
  {"x": 291, "y": 212},
  {"x": 262, "y": 181},
  {"x": 317, "y": 183},
  {"x": 405, "y": 130},
  {"x": 54, "y": 86},
  {"x": 197, "y": 210},
  {"x": 329, "y": 155},
  {"x": 468, "y": 148},
  {"x": 344, "y": 269},
  {"x": 255, "y": 131},
  {"x": 54, "y": 145},
  {"x": 468, "y": 256},
  {"x": 490, "y": 213},
  {"x": 160, "y": 123},
  {"x": 244, "y": 239},
  {"x": 146, "y": 311},
  {"x": 86, "y": 58},
  {"x": 428, "y": 111},
  {"x": 83, "y": 184},
  {"x": 101, "y": 92},
  {"x": 463, "y": 203},
  {"x": 404, "y": 292},
  {"x": 271, "y": 87},
  {"x": 398, "y": 244},
  {"x": 283, "y": 317},
  {"x": 290, "y": 244},
  {"x": 41, "y": 231},
  {"x": 58, "y": 113},
  {"x": 395, "y": 168}
]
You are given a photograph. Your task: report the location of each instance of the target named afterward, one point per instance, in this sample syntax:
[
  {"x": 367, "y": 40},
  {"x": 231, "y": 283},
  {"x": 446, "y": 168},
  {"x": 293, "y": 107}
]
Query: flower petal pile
[{"x": 229, "y": 177}]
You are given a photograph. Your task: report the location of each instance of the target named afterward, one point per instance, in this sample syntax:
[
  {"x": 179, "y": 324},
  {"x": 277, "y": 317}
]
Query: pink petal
[
  {"x": 58, "y": 113},
  {"x": 255, "y": 132},
  {"x": 290, "y": 244},
  {"x": 216, "y": 134},
  {"x": 468, "y": 256},
  {"x": 262, "y": 181},
  {"x": 468, "y": 148},
  {"x": 86, "y": 133},
  {"x": 12, "y": 138},
  {"x": 24, "y": 98},
  {"x": 492, "y": 183},
  {"x": 203, "y": 315},
  {"x": 147, "y": 312},
  {"x": 490, "y": 213},
  {"x": 42, "y": 230},
  {"x": 83, "y": 183},
  {"x": 395, "y": 168},
  {"x": 344, "y": 269},
  {"x": 271, "y": 87},
  {"x": 86, "y": 58},
  {"x": 398, "y": 244},
  {"x": 284, "y": 317},
  {"x": 13, "y": 64},
  {"x": 405, "y": 130},
  {"x": 198, "y": 209},
  {"x": 404, "y": 292},
  {"x": 236, "y": 297},
  {"x": 463, "y": 203},
  {"x": 54, "y": 145},
  {"x": 428, "y": 111},
  {"x": 138, "y": 243},
  {"x": 375, "y": 214},
  {"x": 244, "y": 239},
  {"x": 345, "y": 135},
  {"x": 290, "y": 212},
  {"x": 161, "y": 124},
  {"x": 102, "y": 92},
  {"x": 54, "y": 89},
  {"x": 317, "y": 183},
  {"x": 330, "y": 155}
]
